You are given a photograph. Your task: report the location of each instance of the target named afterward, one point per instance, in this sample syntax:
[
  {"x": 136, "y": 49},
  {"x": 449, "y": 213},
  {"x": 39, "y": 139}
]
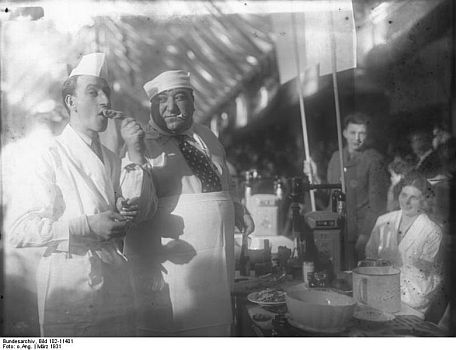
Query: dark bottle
[
  {"x": 296, "y": 195},
  {"x": 305, "y": 244},
  {"x": 244, "y": 259},
  {"x": 297, "y": 190},
  {"x": 338, "y": 202},
  {"x": 296, "y": 225},
  {"x": 309, "y": 252}
]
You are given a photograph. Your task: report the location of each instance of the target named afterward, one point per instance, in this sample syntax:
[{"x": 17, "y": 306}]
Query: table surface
[{"x": 407, "y": 322}]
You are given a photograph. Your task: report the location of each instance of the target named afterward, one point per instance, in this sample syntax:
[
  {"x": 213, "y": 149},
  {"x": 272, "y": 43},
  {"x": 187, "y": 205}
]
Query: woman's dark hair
[
  {"x": 417, "y": 180},
  {"x": 401, "y": 166}
]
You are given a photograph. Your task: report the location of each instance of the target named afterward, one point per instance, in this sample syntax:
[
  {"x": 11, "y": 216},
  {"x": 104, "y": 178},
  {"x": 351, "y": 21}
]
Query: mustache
[{"x": 180, "y": 116}]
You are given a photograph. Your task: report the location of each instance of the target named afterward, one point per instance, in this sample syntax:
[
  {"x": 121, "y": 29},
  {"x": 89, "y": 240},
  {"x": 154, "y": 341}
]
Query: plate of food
[{"x": 268, "y": 297}]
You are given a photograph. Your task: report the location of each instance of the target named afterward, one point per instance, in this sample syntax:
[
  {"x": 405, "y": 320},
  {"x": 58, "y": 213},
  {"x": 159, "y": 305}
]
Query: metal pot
[{"x": 378, "y": 287}]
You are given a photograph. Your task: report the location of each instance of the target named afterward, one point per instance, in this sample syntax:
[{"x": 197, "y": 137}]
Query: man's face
[
  {"x": 91, "y": 97},
  {"x": 420, "y": 144},
  {"x": 356, "y": 135},
  {"x": 172, "y": 110}
]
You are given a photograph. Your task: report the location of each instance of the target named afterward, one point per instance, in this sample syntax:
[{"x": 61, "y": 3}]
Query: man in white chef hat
[
  {"x": 77, "y": 201},
  {"x": 195, "y": 220}
]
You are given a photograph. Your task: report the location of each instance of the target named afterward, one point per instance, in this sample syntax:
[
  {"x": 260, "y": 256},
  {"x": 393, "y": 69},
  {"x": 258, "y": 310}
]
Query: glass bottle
[
  {"x": 247, "y": 188},
  {"x": 278, "y": 189},
  {"x": 244, "y": 259}
]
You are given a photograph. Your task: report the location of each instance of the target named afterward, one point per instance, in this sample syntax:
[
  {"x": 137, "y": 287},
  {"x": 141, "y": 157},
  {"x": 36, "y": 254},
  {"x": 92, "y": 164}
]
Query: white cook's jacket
[
  {"x": 421, "y": 242},
  {"x": 52, "y": 191}
]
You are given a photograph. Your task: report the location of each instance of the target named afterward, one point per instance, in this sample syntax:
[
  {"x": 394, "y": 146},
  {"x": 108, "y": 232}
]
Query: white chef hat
[
  {"x": 92, "y": 64},
  {"x": 168, "y": 80}
]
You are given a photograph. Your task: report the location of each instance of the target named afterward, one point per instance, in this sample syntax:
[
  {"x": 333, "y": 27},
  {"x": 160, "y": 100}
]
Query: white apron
[{"x": 198, "y": 254}]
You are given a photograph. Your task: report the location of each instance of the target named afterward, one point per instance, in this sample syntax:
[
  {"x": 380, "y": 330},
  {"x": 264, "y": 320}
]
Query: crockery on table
[{"x": 268, "y": 296}]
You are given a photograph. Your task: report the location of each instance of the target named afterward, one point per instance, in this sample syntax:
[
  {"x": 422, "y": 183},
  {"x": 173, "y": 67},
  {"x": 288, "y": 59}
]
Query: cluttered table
[{"x": 254, "y": 318}]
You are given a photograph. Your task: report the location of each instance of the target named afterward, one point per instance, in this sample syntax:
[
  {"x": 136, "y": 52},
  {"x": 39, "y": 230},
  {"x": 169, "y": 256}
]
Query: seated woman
[{"x": 411, "y": 241}]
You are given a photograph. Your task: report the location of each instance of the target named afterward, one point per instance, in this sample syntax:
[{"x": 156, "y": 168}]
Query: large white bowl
[{"x": 319, "y": 310}]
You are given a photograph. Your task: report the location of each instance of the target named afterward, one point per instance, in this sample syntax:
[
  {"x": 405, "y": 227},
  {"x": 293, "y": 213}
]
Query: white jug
[{"x": 378, "y": 287}]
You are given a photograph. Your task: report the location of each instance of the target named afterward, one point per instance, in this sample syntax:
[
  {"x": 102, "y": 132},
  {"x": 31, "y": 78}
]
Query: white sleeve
[
  {"x": 34, "y": 204},
  {"x": 431, "y": 245},
  {"x": 136, "y": 182}
]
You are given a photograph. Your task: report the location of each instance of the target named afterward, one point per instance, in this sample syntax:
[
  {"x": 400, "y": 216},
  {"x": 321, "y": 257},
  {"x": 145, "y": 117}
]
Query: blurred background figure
[
  {"x": 441, "y": 135},
  {"x": 446, "y": 153},
  {"x": 46, "y": 119},
  {"x": 443, "y": 187},
  {"x": 428, "y": 163}
]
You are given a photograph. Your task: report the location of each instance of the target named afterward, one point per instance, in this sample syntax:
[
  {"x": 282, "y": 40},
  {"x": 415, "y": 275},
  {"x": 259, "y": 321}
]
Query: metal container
[
  {"x": 307, "y": 271},
  {"x": 378, "y": 286}
]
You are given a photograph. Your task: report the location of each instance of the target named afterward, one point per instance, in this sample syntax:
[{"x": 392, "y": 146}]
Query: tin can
[{"x": 307, "y": 271}]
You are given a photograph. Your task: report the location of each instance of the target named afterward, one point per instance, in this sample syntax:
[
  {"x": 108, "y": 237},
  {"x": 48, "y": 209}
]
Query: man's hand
[
  {"x": 128, "y": 208},
  {"x": 107, "y": 225},
  {"x": 249, "y": 225},
  {"x": 243, "y": 220},
  {"x": 310, "y": 169},
  {"x": 133, "y": 135}
]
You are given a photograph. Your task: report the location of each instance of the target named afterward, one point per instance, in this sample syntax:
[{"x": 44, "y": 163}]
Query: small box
[
  {"x": 322, "y": 219},
  {"x": 265, "y": 213}
]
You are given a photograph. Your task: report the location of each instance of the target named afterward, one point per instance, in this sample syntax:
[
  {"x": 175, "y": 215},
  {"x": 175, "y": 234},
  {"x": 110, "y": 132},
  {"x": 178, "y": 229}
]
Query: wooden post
[{"x": 301, "y": 105}]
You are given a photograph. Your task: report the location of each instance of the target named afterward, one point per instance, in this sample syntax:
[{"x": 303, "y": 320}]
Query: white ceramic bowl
[{"x": 318, "y": 309}]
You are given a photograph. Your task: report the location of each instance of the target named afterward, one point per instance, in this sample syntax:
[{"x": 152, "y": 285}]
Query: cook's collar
[{"x": 83, "y": 136}]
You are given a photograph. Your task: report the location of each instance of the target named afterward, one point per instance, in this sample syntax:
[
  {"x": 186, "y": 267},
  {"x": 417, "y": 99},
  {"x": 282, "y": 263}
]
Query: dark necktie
[
  {"x": 200, "y": 165},
  {"x": 96, "y": 147}
]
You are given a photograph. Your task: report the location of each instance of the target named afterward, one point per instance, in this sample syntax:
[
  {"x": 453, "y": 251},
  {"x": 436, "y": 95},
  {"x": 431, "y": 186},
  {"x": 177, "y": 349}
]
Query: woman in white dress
[{"x": 411, "y": 241}]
